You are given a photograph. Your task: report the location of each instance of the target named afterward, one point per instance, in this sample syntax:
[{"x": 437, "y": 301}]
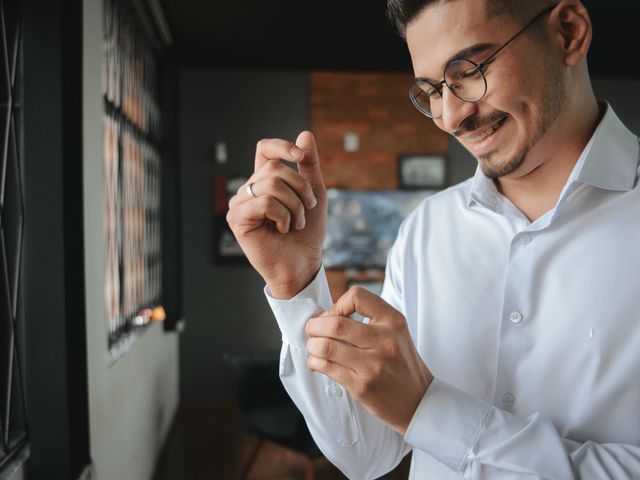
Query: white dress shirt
[{"x": 531, "y": 330}]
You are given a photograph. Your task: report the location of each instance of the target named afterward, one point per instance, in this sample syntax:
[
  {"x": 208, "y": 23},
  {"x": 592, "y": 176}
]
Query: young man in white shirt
[{"x": 505, "y": 344}]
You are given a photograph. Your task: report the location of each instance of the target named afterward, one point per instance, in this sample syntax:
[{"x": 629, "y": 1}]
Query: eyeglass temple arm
[{"x": 533, "y": 20}]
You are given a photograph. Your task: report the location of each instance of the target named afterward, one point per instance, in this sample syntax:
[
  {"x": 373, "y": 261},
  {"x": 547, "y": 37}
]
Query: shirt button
[
  {"x": 515, "y": 317},
  {"x": 508, "y": 399},
  {"x": 335, "y": 391},
  {"x": 526, "y": 239}
]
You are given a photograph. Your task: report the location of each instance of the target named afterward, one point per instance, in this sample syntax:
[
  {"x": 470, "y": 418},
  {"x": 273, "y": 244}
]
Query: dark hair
[{"x": 403, "y": 12}]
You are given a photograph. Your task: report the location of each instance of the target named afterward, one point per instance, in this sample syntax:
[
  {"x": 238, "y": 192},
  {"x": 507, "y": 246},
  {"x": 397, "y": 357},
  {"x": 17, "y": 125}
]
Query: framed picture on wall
[
  {"x": 226, "y": 250},
  {"x": 418, "y": 171}
]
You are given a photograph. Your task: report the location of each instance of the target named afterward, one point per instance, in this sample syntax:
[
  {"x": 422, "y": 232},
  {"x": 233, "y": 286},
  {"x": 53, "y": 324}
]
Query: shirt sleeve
[
  {"x": 358, "y": 443},
  {"x": 479, "y": 441}
]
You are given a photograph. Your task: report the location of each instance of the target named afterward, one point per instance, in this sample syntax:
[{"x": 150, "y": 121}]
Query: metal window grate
[
  {"x": 13, "y": 425},
  {"x": 132, "y": 169}
]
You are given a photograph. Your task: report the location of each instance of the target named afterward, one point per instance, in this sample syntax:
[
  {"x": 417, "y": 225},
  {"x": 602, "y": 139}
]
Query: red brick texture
[{"x": 377, "y": 108}]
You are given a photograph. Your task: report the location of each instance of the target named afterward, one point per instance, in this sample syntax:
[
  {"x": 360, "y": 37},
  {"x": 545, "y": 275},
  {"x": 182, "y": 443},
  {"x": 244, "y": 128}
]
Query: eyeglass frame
[{"x": 479, "y": 67}]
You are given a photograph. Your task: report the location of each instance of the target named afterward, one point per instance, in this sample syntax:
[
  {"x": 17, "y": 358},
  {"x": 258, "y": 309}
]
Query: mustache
[{"x": 473, "y": 123}]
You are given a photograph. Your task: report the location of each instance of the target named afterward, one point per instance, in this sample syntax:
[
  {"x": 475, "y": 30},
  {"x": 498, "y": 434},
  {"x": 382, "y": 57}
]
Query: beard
[{"x": 554, "y": 94}]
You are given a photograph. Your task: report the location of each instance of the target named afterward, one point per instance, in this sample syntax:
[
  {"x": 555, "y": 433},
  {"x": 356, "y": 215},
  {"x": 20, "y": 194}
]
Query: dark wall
[
  {"x": 225, "y": 307},
  {"x": 623, "y": 95}
]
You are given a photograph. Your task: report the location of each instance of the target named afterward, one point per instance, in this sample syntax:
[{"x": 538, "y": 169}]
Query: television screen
[{"x": 362, "y": 225}]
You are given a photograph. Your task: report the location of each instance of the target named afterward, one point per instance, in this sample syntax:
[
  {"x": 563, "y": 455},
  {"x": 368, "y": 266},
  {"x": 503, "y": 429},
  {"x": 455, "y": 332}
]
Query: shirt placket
[{"x": 516, "y": 318}]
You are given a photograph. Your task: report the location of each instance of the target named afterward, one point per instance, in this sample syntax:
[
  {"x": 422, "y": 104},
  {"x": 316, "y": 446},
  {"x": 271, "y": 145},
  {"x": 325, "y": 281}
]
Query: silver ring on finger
[{"x": 249, "y": 190}]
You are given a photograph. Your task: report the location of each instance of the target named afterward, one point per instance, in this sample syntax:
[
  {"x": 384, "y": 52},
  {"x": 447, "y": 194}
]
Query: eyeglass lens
[{"x": 463, "y": 78}]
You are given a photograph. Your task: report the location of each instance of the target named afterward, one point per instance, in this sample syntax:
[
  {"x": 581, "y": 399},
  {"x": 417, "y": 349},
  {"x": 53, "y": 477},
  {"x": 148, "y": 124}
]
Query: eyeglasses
[{"x": 463, "y": 77}]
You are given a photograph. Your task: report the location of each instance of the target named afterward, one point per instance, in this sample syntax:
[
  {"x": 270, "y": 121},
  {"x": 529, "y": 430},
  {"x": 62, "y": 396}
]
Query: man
[{"x": 507, "y": 343}]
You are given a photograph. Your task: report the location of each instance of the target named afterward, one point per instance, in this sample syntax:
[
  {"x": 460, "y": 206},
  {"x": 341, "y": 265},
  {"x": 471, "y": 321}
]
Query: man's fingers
[
  {"x": 361, "y": 301},
  {"x": 303, "y": 152},
  {"x": 274, "y": 188},
  {"x": 269, "y": 149},
  {"x": 343, "y": 329},
  {"x": 335, "y": 351},
  {"x": 248, "y": 216},
  {"x": 265, "y": 182},
  {"x": 293, "y": 179},
  {"x": 339, "y": 373},
  {"x": 309, "y": 166}
]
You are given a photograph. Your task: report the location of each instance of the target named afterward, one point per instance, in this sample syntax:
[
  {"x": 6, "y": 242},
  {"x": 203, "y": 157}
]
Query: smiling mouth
[{"x": 478, "y": 137}]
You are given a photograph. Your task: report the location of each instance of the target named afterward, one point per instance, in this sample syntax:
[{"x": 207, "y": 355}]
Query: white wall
[
  {"x": 17, "y": 475},
  {"x": 132, "y": 402}
]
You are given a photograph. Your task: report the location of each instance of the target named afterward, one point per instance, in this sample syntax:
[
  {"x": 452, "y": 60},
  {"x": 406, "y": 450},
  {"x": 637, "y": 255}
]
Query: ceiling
[{"x": 349, "y": 35}]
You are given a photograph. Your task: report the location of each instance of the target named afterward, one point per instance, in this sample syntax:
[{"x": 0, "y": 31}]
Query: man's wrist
[
  {"x": 427, "y": 379},
  {"x": 283, "y": 292},
  {"x": 286, "y": 290}
]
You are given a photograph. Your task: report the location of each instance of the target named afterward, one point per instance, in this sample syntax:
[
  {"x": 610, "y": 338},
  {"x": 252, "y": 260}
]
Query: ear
[{"x": 573, "y": 30}]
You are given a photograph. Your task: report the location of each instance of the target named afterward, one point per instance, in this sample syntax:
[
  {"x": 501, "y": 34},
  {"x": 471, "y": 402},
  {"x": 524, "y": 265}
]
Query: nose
[{"x": 454, "y": 111}]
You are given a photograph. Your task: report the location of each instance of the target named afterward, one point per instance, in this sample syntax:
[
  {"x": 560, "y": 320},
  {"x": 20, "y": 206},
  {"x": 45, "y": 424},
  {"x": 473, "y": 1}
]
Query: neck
[{"x": 537, "y": 191}]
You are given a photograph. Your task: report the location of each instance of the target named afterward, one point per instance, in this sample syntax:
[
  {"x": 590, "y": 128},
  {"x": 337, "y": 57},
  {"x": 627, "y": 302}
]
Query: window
[{"x": 13, "y": 426}]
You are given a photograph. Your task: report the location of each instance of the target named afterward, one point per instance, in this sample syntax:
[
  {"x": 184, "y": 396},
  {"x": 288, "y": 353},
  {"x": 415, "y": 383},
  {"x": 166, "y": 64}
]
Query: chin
[{"x": 495, "y": 167}]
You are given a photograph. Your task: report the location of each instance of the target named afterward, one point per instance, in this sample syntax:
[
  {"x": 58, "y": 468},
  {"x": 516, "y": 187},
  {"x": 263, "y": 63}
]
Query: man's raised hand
[{"x": 281, "y": 227}]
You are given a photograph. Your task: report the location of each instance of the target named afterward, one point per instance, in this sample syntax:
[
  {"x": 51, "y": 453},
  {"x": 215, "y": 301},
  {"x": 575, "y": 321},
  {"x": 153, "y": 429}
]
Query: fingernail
[
  {"x": 295, "y": 152},
  {"x": 312, "y": 201},
  {"x": 300, "y": 224}
]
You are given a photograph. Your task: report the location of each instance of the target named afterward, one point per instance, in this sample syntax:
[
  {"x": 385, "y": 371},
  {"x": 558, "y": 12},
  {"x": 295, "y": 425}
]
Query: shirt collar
[
  {"x": 609, "y": 161},
  {"x": 483, "y": 190}
]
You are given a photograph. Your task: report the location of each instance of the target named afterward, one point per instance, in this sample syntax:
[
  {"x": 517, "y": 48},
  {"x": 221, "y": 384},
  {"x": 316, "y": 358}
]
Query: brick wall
[{"x": 375, "y": 106}]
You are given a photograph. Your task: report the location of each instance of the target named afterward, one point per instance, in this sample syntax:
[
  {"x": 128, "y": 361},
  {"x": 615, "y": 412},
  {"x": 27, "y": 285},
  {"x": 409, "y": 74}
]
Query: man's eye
[
  {"x": 433, "y": 91},
  {"x": 470, "y": 73}
]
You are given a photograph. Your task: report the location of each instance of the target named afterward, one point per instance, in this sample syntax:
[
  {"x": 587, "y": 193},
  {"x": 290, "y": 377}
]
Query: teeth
[{"x": 484, "y": 135}]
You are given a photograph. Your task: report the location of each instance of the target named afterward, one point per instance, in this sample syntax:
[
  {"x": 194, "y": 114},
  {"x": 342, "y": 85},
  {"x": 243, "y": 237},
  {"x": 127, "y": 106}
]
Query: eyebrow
[{"x": 465, "y": 53}]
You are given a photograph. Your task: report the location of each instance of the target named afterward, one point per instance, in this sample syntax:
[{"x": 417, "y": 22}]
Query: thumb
[
  {"x": 363, "y": 303},
  {"x": 309, "y": 166}
]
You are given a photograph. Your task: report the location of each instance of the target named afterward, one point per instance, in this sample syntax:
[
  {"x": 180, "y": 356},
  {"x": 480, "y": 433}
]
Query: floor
[{"x": 206, "y": 442}]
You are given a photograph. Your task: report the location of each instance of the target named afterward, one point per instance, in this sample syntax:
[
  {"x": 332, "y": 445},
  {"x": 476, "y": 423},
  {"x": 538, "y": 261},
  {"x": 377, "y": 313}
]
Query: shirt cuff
[
  {"x": 292, "y": 315},
  {"x": 446, "y": 424}
]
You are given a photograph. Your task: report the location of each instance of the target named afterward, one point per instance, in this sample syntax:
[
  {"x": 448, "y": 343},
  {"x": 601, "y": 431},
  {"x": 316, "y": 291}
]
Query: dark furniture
[{"x": 267, "y": 410}]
